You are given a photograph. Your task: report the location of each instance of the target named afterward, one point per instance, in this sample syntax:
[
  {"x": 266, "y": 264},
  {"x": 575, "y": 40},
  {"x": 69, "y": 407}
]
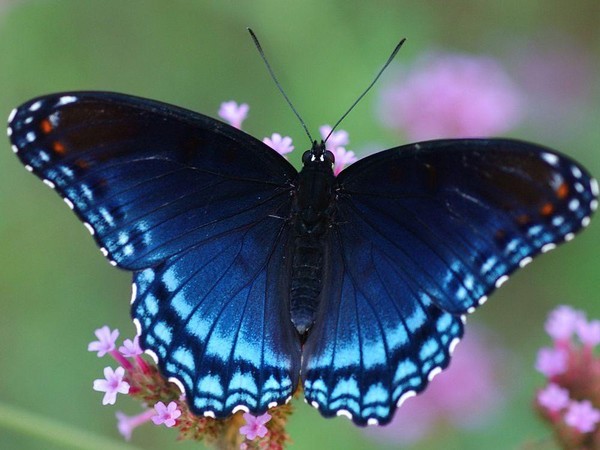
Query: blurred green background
[{"x": 55, "y": 287}]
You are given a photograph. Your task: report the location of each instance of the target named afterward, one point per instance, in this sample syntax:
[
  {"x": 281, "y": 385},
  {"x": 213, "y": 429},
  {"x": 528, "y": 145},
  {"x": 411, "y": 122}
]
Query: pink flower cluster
[
  {"x": 570, "y": 401},
  {"x": 114, "y": 381},
  {"x": 466, "y": 395},
  {"x": 141, "y": 379},
  {"x": 448, "y": 95},
  {"x": 235, "y": 115}
]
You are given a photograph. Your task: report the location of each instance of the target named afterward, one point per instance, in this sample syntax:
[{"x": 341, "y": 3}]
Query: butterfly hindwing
[
  {"x": 216, "y": 318},
  {"x": 145, "y": 176},
  {"x": 422, "y": 234},
  {"x": 377, "y": 338}
]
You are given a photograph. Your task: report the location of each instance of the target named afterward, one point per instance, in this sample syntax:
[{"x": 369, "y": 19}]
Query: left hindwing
[{"x": 422, "y": 235}]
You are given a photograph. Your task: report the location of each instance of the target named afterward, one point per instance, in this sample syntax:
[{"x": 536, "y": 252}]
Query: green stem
[{"x": 30, "y": 424}]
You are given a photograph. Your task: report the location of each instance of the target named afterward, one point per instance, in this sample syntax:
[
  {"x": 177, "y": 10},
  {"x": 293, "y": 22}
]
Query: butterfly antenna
[
  {"x": 387, "y": 63},
  {"x": 262, "y": 55}
]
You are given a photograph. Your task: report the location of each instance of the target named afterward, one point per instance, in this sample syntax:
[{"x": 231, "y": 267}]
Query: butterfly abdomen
[
  {"x": 312, "y": 214},
  {"x": 306, "y": 283}
]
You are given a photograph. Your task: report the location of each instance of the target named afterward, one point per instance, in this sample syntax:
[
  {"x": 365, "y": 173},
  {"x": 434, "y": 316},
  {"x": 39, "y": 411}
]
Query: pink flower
[
  {"x": 343, "y": 158},
  {"x": 562, "y": 322},
  {"x": 126, "y": 424},
  {"x": 281, "y": 145},
  {"x": 553, "y": 397},
  {"x": 233, "y": 113},
  {"x": 582, "y": 416},
  {"x": 338, "y": 138},
  {"x": 255, "y": 426},
  {"x": 589, "y": 332},
  {"x": 131, "y": 348},
  {"x": 166, "y": 414},
  {"x": 106, "y": 341},
  {"x": 336, "y": 145},
  {"x": 465, "y": 395},
  {"x": 451, "y": 95},
  {"x": 551, "y": 361},
  {"x": 112, "y": 385}
]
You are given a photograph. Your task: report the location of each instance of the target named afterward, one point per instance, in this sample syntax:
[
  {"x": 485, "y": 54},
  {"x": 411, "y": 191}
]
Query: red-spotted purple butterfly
[{"x": 251, "y": 278}]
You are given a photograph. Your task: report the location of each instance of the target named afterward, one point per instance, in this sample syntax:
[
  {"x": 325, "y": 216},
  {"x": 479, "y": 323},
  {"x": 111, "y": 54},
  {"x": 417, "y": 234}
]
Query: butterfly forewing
[{"x": 144, "y": 176}]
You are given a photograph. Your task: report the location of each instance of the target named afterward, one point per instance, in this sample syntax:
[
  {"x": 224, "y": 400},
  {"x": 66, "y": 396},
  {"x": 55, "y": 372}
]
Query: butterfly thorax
[{"x": 312, "y": 212}]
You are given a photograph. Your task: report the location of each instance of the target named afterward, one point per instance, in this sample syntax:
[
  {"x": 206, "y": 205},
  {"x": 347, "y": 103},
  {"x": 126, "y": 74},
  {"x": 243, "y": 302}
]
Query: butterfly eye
[
  {"x": 329, "y": 157},
  {"x": 307, "y": 157}
]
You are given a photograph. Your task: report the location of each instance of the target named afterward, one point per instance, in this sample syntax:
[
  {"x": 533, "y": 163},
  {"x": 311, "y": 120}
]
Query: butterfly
[{"x": 251, "y": 278}]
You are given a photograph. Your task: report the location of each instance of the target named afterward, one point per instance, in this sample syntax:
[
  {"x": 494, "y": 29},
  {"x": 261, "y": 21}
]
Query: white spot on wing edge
[
  {"x": 113, "y": 263},
  {"x": 594, "y": 187},
  {"x": 49, "y": 183},
  {"x": 138, "y": 327},
  {"x": 470, "y": 310},
  {"x": 289, "y": 399},
  {"x": 482, "y": 300},
  {"x": 66, "y": 100},
  {"x": 314, "y": 404},
  {"x": 69, "y": 203},
  {"x": 525, "y": 261},
  {"x": 177, "y": 383},
  {"x": 89, "y": 228},
  {"x": 133, "y": 292},
  {"x": 210, "y": 414},
  {"x": 9, "y": 131},
  {"x": 12, "y": 115},
  {"x": 240, "y": 408},
  {"x": 152, "y": 355},
  {"x": 547, "y": 247},
  {"x": 576, "y": 172},
  {"x": 569, "y": 236},
  {"x": 35, "y": 106},
  {"x": 371, "y": 421},
  {"x": 14, "y": 148},
  {"x": 585, "y": 221},
  {"x": 404, "y": 397},
  {"x": 272, "y": 405},
  {"x": 28, "y": 168},
  {"x": 434, "y": 373},
  {"x": 344, "y": 412},
  {"x": 501, "y": 280},
  {"x": 103, "y": 251},
  {"x": 453, "y": 343},
  {"x": 550, "y": 158},
  {"x": 594, "y": 205}
]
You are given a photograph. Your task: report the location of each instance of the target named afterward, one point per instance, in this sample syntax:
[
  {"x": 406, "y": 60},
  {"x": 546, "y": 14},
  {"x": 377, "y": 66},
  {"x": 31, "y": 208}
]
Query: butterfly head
[{"x": 318, "y": 155}]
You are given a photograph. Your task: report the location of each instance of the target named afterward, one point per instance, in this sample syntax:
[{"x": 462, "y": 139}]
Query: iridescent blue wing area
[
  {"x": 179, "y": 198},
  {"x": 216, "y": 317},
  {"x": 423, "y": 234}
]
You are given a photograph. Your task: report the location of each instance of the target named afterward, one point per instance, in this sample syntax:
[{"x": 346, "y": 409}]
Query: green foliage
[{"x": 56, "y": 288}]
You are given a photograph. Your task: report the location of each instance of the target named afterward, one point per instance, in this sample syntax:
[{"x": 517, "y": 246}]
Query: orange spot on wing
[
  {"x": 59, "y": 148},
  {"x": 562, "y": 191},
  {"x": 547, "y": 209},
  {"x": 46, "y": 126},
  {"x": 82, "y": 164},
  {"x": 523, "y": 219}
]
